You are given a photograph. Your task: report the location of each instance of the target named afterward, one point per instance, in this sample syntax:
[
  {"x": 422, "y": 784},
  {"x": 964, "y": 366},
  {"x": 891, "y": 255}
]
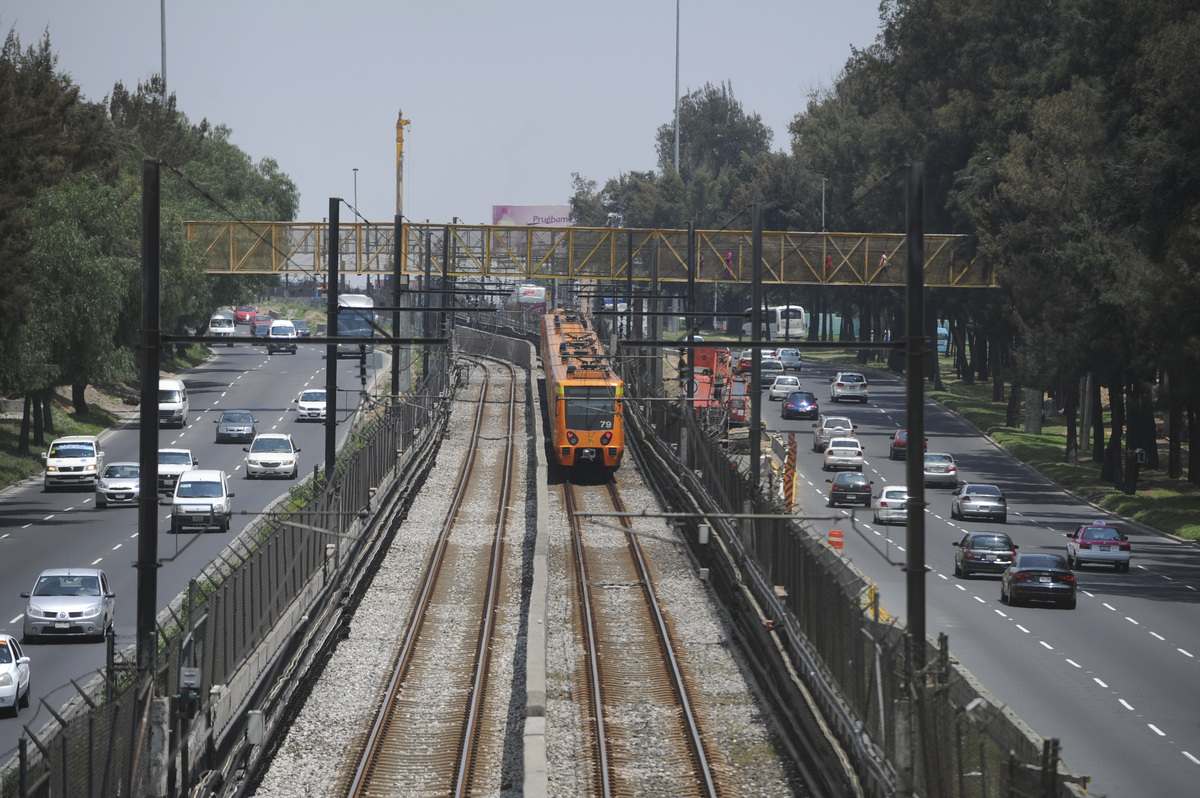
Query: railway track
[
  {"x": 435, "y": 721},
  {"x": 645, "y": 730}
]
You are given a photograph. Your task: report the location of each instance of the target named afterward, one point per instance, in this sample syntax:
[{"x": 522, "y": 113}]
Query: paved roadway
[
  {"x": 40, "y": 530},
  {"x": 1115, "y": 679}
]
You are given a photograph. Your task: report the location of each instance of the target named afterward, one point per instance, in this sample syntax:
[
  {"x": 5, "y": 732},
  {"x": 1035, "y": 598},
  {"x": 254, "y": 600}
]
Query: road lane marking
[
  {"x": 97, "y": 561},
  {"x": 1157, "y": 730},
  {"x": 1132, "y": 621},
  {"x": 1125, "y": 704},
  {"x": 1097, "y": 681},
  {"x": 1046, "y": 645},
  {"x": 1185, "y": 653},
  {"x": 1160, "y": 637},
  {"x": 1022, "y": 628},
  {"x": 119, "y": 545},
  {"x": 1111, "y": 607},
  {"x": 981, "y": 601},
  {"x": 1073, "y": 662},
  {"x": 1189, "y": 756}
]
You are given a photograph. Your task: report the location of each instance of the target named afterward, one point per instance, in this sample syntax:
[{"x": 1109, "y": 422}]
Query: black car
[
  {"x": 849, "y": 487},
  {"x": 800, "y": 404},
  {"x": 1038, "y": 577},
  {"x": 983, "y": 553},
  {"x": 302, "y": 330}
]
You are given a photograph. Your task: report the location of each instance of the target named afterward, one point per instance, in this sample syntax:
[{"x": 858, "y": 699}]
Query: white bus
[
  {"x": 780, "y": 322},
  {"x": 356, "y": 312}
]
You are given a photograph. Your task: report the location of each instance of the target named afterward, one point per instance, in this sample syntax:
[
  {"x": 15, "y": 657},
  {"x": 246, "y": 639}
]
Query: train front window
[{"x": 589, "y": 407}]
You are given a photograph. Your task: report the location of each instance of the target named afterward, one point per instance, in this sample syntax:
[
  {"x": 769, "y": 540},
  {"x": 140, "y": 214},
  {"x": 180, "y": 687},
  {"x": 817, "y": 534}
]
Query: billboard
[{"x": 532, "y": 215}]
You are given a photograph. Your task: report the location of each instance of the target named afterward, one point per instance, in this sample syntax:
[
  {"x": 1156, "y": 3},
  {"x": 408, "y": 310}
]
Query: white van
[
  {"x": 281, "y": 337},
  {"x": 201, "y": 499},
  {"x": 73, "y": 460},
  {"x": 221, "y": 325},
  {"x": 172, "y": 403}
]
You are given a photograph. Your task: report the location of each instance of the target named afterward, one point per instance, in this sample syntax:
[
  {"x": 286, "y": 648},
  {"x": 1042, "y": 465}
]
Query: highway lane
[
  {"x": 1113, "y": 679},
  {"x": 40, "y": 530}
]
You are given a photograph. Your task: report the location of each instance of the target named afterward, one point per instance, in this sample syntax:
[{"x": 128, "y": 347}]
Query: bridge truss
[{"x": 585, "y": 253}]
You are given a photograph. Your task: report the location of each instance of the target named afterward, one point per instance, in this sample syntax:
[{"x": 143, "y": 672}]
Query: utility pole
[{"x": 401, "y": 123}]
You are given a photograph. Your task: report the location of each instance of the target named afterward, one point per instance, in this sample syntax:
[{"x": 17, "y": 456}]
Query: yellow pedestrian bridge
[{"x": 586, "y": 253}]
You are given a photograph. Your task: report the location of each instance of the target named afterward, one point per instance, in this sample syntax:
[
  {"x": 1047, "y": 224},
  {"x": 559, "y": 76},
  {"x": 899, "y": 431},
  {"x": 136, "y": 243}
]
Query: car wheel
[
  {"x": 101, "y": 505},
  {"x": 23, "y": 701},
  {"x": 966, "y": 573},
  {"x": 1004, "y": 518},
  {"x": 1072, "y": 563},
  {"x": 953, "y": 513},
  {"x": 1003, "y": 596},
  {"x": 860, "y": 468},
  {"x": 957, "y": 569},
  {"x": 175, "y": 529},
  {"x": 1071, "y": 604}
]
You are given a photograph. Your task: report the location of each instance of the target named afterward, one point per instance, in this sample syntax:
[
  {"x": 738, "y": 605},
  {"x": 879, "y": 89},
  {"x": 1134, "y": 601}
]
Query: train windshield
[{"x": 589, "y": 407}]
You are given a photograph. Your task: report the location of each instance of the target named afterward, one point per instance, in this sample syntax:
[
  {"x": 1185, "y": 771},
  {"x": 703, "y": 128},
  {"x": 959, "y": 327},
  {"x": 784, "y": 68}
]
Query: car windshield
[
  {"x": 852, "y": 378},
  {"x": 246, "y": 309},
  {"x": 984, "y": 490},
  {"x": 895, "y": 493},
  {"x": 853, "y": 480},
  {"x": 312, "y": 396},
  {"x": 938, "y": 458},
  {"x": 6, "y": 656},
  {"x": 784, "y": 381},
  {"x": 1043, "y": 561},
  {"x": 772, "y": 365},
  {"x": 73, "y": 450},
  {"x": 843, "y": 443},
  {"x": 271, "y": 445},
  {"x": 199, "y": 490},
  {"x": 67, "y": 586},
  {"x": 800, "y": 396},
  {"x": 220, "y": 321},
  {"x": 990, "y": 542},
  {"x": 174, "y": 458},
  {"x": 1101, "y": 533},
  {"x": 237, "y": 418},
  {"x": 833, "y": 423},
  {"x": 121, "y": 471}
]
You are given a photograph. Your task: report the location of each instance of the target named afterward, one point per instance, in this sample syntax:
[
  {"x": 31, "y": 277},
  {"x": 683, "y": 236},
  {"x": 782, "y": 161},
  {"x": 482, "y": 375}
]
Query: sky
[{"x": 505, "y": 100}]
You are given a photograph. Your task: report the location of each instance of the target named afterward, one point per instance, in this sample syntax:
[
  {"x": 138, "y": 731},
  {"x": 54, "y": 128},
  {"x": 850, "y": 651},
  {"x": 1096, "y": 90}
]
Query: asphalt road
[
  {"x": 1114, "y": 680},
  {"x": 40, "y": 530}
]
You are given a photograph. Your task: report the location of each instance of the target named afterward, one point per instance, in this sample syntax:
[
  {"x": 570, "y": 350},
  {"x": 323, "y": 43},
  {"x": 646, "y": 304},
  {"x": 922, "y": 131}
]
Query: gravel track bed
[
  {"x": 740, "y": 737},
  {"x": 320, "y": 747}
]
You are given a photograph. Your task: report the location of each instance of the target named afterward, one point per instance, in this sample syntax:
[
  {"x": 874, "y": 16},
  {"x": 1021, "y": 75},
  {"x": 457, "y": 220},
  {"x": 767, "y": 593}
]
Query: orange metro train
[{"x": 583, "y": 393}]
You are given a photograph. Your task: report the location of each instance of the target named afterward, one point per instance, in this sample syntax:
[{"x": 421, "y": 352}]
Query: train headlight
[
  {"x": 572, "y": 438},
  {"x": 605, "y": 438}
]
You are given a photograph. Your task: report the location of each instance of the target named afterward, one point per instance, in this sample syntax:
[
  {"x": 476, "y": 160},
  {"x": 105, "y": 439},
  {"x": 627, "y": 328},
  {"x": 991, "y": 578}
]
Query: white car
[
  {"x": 281, "y": 337},
  {"x": 14, "y": 675},
  {"x": 171, "y": 464},
  {"x": 272, "y": 454},
  {"x": 768, "y": 370},
  {"x": 940, "y": 469},
  {"x": 782, "y": 386},
  {"x": 310, "y": 405},
  {"x": 848, "y": 385},
  {"x": 843, "y": 453},
  {"x": 202, "y": 499},
  {"x": 791, "y": 360},
  {"x": 891, "y": 505},
  {"x": 221, "y": 326}
]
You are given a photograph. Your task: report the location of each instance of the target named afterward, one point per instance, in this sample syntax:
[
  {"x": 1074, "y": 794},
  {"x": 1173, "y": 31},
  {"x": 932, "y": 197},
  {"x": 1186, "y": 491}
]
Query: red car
[
  {"x": 899, "y": 447},
  {"x": 245, "y": 314}
]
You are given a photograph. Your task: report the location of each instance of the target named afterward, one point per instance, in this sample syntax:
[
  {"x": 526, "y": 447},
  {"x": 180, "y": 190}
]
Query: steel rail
[
  {"x": 695, "y": 739},
  {"x": 483, "y": 654},
  {"x": 592, "y": 645},
  {"x": 360, "y": 785}
]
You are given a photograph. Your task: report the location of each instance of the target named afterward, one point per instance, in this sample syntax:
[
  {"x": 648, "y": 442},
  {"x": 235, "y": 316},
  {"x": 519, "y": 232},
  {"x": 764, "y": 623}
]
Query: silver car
[
  {"x": 69, "y": 602},
  {"x": 848, "y": 385},
  {"x": 768, "y": 370},
  {"x": 236, "y": 425},
  {"x": 979, "y": 501},
  {"x": 829, "y": 427},
  {"x": 791, "y": 360},
  {"x": 272, "y": 454},
  {"x": 119, "y": 483},
  {"x": 940, "y": 469}
]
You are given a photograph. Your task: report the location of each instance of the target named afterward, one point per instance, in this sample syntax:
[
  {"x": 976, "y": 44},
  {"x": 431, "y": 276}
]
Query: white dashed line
[
  {"x": 1001, "y": 613},
  {"x": 1132, "y": 621},
  {"x": 1046, "y": 645},
  {"x": 1157, "y": 730},
  {"x": 1109, "y": 606},
  {"x": 97, "y": 561},
  {"x": 1160, "y": 637},
  {"x": 1194, "y": 759},
  {"x": 1125, "y": 704},
  {"x": 14, "y": 620},
  {"x": 1022, "y": 628},
  {"x": 1185, "y": 653},
  {"x": 119, "y": 545},
  {"x": 977, "y": 598},
  {"x": 1073, "y": 662},
  {"x": 47, "y": 518},
  {"x": 1097, "y": 681}
]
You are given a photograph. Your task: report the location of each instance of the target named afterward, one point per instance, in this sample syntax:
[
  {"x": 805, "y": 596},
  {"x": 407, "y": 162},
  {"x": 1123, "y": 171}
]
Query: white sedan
[
  {"x": 891, "y": 505},
  {"x": 783, "y": 386},
  {"x": 843, "y": 453}
]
